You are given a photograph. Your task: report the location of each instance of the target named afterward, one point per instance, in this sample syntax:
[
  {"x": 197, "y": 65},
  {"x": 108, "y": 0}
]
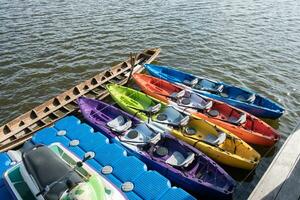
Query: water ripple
[{"x": 48, "y": 46}]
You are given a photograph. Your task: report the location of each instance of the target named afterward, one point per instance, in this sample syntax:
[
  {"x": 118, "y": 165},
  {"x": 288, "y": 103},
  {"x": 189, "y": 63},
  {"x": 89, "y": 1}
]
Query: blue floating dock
[
  {"x": 80, "y": 138},
  {"x": 5, "y": 163}
]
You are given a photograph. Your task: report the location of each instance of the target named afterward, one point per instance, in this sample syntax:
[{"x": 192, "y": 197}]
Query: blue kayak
[{"x": 238, "y": 97}]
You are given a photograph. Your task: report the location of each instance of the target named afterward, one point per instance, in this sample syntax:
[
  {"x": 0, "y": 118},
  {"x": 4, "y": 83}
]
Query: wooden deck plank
[{"x": 282, "y": 178}]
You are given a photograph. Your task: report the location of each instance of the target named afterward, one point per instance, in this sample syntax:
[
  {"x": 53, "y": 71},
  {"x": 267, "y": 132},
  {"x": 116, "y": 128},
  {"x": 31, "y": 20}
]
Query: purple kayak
[{"x": 184, "y": 165}]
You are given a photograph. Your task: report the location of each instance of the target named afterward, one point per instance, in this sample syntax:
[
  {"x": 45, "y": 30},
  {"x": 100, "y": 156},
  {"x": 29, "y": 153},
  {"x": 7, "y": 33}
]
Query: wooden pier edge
[
  {"x": 281, "y": 180},
  {"x": 20, "y": 129}
]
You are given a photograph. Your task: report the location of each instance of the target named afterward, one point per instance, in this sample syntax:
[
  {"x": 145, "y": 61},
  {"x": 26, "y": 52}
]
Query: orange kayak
[{"x": 244, "y": 125}]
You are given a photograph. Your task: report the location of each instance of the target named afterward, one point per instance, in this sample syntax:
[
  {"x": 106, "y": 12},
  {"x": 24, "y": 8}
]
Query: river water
[{"x": 47, "y": 47}]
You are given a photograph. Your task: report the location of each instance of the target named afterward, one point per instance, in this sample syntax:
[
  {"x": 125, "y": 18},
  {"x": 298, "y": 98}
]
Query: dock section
[
  {"x": 80, "y": 138},
  {"x": 282, "y": 178}
]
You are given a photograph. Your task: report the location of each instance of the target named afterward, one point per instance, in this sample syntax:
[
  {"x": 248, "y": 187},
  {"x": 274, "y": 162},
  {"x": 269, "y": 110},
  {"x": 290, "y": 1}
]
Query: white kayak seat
[
  {"x": 220, "y": 88},
  {"x": 141, "y": 134},
  {"x": 154, "y": 109},
  {"x": 200, "y": 106},
  {"x": 193, "y": 101},
  {"x": 241, "y": 120},
  {"x": 251, "y": 98},
  {"x": 178, "y": 160},
  {"x": 184, "y": 121},
  {"x": 208, "y": 105},
  {"x": 215, "y": 140},
  {"x": 180, "y": 94},
  {"x": 191, "y": 83},
  {"x": 155, "y": 139},
  {"x": 171, "y": 116},
  {"x": 188, "y": 160},
  {"x": 119, "y": 124}
]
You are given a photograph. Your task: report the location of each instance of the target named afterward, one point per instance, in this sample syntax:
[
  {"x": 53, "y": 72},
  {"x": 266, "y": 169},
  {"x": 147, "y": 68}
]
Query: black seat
[{"x": 46, "y": 167}]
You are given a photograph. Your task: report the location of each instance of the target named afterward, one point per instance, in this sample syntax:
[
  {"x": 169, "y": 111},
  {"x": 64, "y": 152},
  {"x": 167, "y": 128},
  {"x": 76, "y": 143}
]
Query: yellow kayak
[{"x": 214, "y": 141}]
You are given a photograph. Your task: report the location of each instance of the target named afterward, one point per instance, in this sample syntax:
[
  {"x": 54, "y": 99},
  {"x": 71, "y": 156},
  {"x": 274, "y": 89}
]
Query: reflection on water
[{"x": 49, "y": 46}]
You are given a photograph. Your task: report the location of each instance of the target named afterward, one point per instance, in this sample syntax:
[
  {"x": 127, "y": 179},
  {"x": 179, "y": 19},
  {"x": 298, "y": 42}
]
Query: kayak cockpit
[
  {"x": 120, "y": 124},
  {"x": 178, "y": 160},
  {"x": 190, "y": 163},
  {"x": 168, "y": 150},
  {"x": 170, "y": 116},
  {"x": 195, "y": 102},
  {"x": 204, "y": 84},
  {"x": 141, "y": 135},
  {"x": 138, "y": 134}
]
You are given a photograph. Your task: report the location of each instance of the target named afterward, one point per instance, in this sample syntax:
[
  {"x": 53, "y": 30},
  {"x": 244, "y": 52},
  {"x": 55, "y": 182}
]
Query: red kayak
[{"x": 244, "y": 125}]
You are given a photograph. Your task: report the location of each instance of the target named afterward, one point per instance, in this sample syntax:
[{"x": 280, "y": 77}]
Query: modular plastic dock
[
  {"x": 4, "y": 165},
  {"x": 81, "y": 138},
  {"x": 282, "y": 178}
]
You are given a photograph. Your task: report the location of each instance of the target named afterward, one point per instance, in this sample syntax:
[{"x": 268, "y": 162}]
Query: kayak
[
  {"x": 244, "y": 125},
  {"x": 214, "y": 141},
  {"x": 51, "y": 173},
  {"x": 186, "y": 166},
  {"x": 238, "y": 97}
]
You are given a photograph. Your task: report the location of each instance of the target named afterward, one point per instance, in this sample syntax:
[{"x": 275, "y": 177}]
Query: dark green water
[{"x": 47, "y": 47}]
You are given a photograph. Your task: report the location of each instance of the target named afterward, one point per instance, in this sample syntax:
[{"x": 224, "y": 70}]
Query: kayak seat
[
  {"x": 191, "y": 83},
  {"x": 154, "y": 109},
  {"x": 163, "y": 118},
  {"x": 242, "y": 119},
  {"x": 120, "y": 124},
  {"x": 195, "y": 102},
  {"x": 184, "y": 121},
  {"x": 210, "y": 86},
  {"x": 178, "y": 160},
  {"x": 220, "y": 88},
  {"x": 178, "y": 95},
  {"x": 172, "y": 116},
  {"x": 45, "y": 167},
  {"x": 209, "y": 105},
  {"x": 217, "y": 89},
  {"x": 215, "y": 140},
  {"x": 250, "y": 99},
  {"x": 141, "y": 134}
]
